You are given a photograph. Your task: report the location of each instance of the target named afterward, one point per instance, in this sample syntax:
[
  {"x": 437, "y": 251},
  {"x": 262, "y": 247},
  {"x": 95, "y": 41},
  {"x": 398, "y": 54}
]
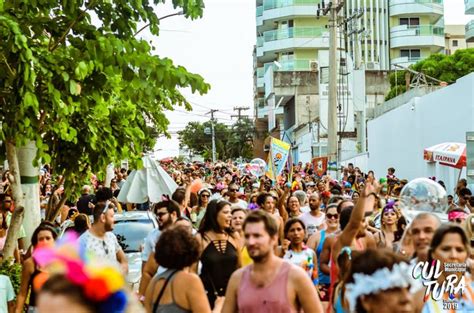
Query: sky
[{"x": 219, "y": 47}]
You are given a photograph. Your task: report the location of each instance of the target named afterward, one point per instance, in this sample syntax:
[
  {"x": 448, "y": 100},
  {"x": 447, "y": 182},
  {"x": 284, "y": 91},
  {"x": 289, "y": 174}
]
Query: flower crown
[
  {"x": 383, "y": 279},
  {"x": 102, "y": 283}
]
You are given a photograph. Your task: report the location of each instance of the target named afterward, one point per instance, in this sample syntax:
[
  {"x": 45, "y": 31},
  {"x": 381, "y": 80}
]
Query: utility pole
[
  {"x": 239, "y": 114},
  {"x": 213, "y": 135},
  {"x": 332, "y": 8}
]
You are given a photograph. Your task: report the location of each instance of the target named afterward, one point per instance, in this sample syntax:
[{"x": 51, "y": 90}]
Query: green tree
[
  {"x": 241, "y": 139},
  {"x": 84, "y": 93},
  {"x": 231, "y": 143},
  {"x": 447, "y": 68}
]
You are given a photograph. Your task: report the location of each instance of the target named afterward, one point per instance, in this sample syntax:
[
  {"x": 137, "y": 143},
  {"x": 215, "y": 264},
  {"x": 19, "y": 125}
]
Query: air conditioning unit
[
  {"x": 372, "y": 66},
  {"x": 314, "y": 66}
]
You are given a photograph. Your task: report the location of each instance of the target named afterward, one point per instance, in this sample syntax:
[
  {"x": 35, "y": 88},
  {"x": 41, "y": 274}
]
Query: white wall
[{"x": 398, "y": 137}]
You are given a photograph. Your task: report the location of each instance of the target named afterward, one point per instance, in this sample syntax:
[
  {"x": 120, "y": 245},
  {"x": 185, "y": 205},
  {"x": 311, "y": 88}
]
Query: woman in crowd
[
  {"x": 379, "y": 281},
  {"x": 293, "y": 207},
  {"x": 450, "y": 244},
  {"x": 355, "y": 196},
  {"x": 316, "y": 242},
  {"x": 238, "y": 216},
  {"x": 296, "y": 252},
  {"x": 388, "y": 234},
  {"x": 45, "y": 234},
  {"x": 198, "y": 211},
  {"x": 177, "y": 290},
  {"x": 220, "y": 248}
]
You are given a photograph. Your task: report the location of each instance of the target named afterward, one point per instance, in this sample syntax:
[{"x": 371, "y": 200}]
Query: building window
[
  {"x": 410, "y": 21},
  {"x": 455, "y": 43},
  {"x": 410, "y": 54}
]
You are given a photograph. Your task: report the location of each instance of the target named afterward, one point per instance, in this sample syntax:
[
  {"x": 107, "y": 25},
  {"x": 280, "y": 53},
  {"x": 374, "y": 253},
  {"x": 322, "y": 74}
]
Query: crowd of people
[{"x": 229, "y": 241}]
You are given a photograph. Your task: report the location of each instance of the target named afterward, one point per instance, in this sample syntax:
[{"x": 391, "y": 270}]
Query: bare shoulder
[
  {"x": 237, "y": 275},
  {"x": 29, "y": 265},
  {"x": 296, "y": 273}
]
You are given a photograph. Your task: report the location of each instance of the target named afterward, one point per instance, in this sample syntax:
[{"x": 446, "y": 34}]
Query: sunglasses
[
  {"x": 233, "y": 190},
  {"x": 457, "y": 220},
  {"x": 332, "y": 216},
  {"x": 105, "y": 247},
  {"x": 205, "y": 196}
]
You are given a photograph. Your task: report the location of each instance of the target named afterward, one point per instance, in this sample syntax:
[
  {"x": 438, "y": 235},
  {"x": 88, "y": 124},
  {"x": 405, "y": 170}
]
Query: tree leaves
[
  {"x": 87, "y": 93},
  {"x": 447, "y": 68},
  {"x": 232, "y": 142}
]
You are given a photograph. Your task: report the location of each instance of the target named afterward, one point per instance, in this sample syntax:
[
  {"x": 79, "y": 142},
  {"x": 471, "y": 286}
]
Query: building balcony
[
  {"x": 301, "y": 37},
  {"x": 469, "y": 6},
  {"x": 263, "y": 112},
  {"x": 283, "y": 9},
  {"x": 411, "y": 7},
  {"x": 405, "y": 61},
  {"x": 417, "y": 36},
  {"x": 470, "y": 31},
  {"x": 294, "y": 65}
]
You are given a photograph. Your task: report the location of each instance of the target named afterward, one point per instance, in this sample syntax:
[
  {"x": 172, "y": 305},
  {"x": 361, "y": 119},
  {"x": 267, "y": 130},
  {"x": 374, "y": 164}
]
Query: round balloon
[
  {"x": 258, "y": 167},
  {"x": 425, "y": 195}
]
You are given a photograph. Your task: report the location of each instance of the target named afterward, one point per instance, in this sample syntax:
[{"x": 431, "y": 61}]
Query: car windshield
[{"x": 131, "y": 233}]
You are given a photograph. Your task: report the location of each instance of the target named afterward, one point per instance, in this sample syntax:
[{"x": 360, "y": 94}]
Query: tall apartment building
[
  {"x": 469, "y": 10},
  {"x": 290, "y": 44},
  {"x": 394, "y": 31},
  {"x": 291, "y": 65}
]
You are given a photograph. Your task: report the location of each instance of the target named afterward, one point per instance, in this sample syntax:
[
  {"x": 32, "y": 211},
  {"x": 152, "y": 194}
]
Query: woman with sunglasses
[
  {"x": 220, "y": 248},
  {"x": 198, "y": 211},
  {"x": 316, "y": 242},
  {"x": 293, "y": 207}
]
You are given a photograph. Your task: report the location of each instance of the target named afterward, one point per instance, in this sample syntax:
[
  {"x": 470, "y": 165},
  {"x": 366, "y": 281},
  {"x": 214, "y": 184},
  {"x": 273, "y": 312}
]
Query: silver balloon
[
  {"x": 258, "y": 167},
  {"x": 423, "y": 195}
]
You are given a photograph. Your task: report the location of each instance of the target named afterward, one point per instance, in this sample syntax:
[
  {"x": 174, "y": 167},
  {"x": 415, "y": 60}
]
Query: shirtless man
[{"x": 269, "y": 282}]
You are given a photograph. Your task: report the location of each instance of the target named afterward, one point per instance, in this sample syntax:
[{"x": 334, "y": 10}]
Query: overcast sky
[{"x": 219, "y": 48}]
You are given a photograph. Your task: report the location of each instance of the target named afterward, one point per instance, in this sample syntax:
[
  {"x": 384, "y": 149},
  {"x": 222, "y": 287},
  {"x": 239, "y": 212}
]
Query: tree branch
[
  {"x": 68, "y": 29},
  {"x": 161, "y": 18}
]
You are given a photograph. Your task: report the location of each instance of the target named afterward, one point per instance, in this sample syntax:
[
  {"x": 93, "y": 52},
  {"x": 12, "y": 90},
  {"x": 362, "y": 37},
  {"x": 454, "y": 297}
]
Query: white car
[{"x": 131, "y": 228}]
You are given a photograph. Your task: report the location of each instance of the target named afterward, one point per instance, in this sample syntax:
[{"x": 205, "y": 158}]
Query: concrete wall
[{"x": 398, "y": 137}]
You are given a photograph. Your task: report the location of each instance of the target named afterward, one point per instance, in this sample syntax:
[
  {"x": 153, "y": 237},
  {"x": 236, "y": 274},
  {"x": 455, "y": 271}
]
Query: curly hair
[{"x": 177, "y": 248}]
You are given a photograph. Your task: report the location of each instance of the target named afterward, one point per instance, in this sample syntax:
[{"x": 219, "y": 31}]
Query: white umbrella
[{"x": 148, "y": 184}]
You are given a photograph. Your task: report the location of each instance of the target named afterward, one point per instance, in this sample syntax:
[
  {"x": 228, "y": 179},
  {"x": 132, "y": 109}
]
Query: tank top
[
  {"x": 272, "y": 298},
  {"x": 171, "y": 307},
  {"x": 32, "y": 302},
  {"x": 217, "y": 267},
  {"x": 334, "y": 273},
  {"x": 323, "y": 278}
]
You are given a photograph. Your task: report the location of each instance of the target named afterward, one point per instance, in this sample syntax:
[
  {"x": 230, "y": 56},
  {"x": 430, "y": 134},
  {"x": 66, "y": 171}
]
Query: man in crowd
[
  {"x": 270, "y": 282},
  {"x": 314, "y": 219},
  {"x": 233, "y": 197},
  {"x": 84, "y": 204},
  {"x": 167, "y": 212},
  {"x": 422, "y": 229},
  {"x": 100, "y": 240}
]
